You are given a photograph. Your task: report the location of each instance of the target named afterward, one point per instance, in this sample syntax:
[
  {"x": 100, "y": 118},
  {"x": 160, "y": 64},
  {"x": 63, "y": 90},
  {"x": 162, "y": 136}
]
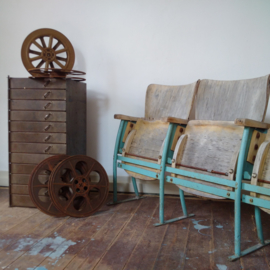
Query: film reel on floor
[
  {"x": 78, "y": 186},
  {"x": 38, "y": 185}
]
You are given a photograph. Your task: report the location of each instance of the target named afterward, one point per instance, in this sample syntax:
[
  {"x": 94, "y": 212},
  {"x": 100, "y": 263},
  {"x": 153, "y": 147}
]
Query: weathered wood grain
[
  {"x": 228, "y": 100},
  {"x": 118, "y": 254},
  {"x": 210, "y": 145},
  {"x": 173, "y": 101},
  {"x": 123, "y": 237},
  {"x": 251, "y": 123},
  {"x": 126, "y": 117},
  {"x": 146, "y": 251}
]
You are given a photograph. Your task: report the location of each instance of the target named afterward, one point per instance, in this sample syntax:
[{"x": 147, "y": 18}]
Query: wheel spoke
[
  {"x": 43, "y": 42},
  {"x": 58, "y": 63},
  {"x": 50, "y": 42},
  {"x": 40, "y": 64},
  {"x": 51, "y": 65},
  {"x": 73, "y": 170},
  {"x": 35, "y": 58},
  {"x": 50, "y": 166},
  {"x": 39, "y": 46},
  {"x": 62, "y": 184},
  {"x": 40, "y": 186},
  {"x": 61, "y": 58},
  {"x": 60, "y": 51},
  {"x": 57, "y": 45},
  {"x": 34, "y": 52},
  {"x": 71, "y": 200},
  {"x": 47, "y": 65},
  {"x": 89, "y": 202},
  {"x": 50, "y": 206},
  {"x": 89, "y": 171}
]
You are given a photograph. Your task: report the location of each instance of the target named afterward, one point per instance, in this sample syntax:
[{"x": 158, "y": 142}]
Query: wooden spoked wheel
[
  {"x": 79, "y": 186},
  {"x": 47, "y": 48},
  {"x": 38, "y": 185}
]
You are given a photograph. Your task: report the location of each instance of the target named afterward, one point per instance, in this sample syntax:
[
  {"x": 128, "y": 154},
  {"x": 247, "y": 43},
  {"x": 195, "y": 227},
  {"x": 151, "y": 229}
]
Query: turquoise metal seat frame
[
  {"x": 256, "y": 90},
  {"x": 243, "y": 170},
  {"x": 173, "y": 102}
]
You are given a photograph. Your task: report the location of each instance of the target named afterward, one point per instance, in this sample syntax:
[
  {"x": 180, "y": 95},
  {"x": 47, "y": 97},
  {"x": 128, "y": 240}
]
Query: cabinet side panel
[{"x": 76, "y": 118}]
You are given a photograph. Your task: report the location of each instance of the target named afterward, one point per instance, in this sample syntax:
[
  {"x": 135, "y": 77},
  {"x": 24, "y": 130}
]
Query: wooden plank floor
[{"x": 123, "y": 237}]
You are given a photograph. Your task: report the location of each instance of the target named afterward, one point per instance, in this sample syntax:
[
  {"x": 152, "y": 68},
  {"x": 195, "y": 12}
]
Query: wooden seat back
[
  {"x": 228, "y": 100},
  {"x": 213, "y": 140},
  {"x": 175, "y": 101},
  {"x": 147, "y": 136}
]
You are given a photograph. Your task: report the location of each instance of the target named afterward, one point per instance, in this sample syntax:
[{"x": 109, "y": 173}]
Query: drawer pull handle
[
  {"x": 47, "y": 105},
  {"x": 47, "y": 116},
  {"x": 47, "y": 149},
  {"x": 47, "y": 127},
  {"x": 47, "y": 83},
  {"x": 47, "y": 94},
  {"x": 47, "y": 138}
]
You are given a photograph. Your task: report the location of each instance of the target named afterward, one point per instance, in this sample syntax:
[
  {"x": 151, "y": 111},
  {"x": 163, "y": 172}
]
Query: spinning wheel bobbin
[
  {"x": 38, "y": 185},
  {"x": 79, "y": 186}
]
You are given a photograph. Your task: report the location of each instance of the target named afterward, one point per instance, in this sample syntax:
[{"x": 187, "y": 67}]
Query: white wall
[{"x": 124, "y": 45}]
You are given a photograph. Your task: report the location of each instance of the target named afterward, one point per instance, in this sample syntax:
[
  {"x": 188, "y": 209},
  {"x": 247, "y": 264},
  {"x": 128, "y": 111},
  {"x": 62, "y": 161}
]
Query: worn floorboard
[{"x": 123, "y": 237}]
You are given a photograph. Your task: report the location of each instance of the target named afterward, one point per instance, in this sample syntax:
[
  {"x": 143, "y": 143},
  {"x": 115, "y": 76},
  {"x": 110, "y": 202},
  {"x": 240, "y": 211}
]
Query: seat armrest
[
  {"x": 251, "y": 123},
  {"x": 126, "y": 117},
  {"x": 174, "y": 120}
]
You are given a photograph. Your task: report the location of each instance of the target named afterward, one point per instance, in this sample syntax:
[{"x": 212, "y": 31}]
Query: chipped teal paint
[
  {"x": 199, "y": 176},
  {"x": 24, "y": 242},
  {"x": 162, "y": 173},
  {"x": 222, "y": 266},
  {"x": 212, "y": 251},
  {"x": 239, "y": 175},
  {"x": 219, "y": 226},
  {"x": 139, "y": 162},
  {"x": 117, "y": 144},
  {"x": 199, "y": 227},
  {"x": 56, "y": 245}
]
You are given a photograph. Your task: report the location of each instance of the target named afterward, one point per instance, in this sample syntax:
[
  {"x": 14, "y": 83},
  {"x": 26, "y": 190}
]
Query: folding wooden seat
[
  {"x": 144, "y": 145},
  {"x": 218, "y": 149}
]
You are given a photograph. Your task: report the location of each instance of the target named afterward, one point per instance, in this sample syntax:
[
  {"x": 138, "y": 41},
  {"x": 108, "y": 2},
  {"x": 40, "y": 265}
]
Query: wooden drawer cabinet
[
  {"x": 30, "y": 94},
  {"x": 38, "y": 116},
  {"x": 46, "y": 118}
]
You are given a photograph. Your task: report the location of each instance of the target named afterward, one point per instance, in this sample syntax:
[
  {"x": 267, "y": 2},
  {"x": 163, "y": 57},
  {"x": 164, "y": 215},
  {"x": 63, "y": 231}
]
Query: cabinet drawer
[
  {"x": 38, "y": 148},
  {"x": 38, "y": 105},
  {"x": 38, "y": 116},
  {"x": 28, "y": 158},
  {"x": 38, "y": 126},
  {"x": 37, "y": 94},
  {"x": 19, "y": 189},
  {"x": 37, "y": 83},
  {"x": 37, "y": 137},
  {"x": 21, "y": 200},
  {"x": 22, "y": 168},
  {"x": 21, "y": 179}
]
